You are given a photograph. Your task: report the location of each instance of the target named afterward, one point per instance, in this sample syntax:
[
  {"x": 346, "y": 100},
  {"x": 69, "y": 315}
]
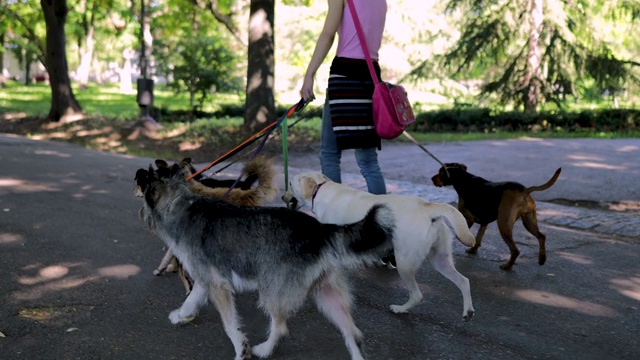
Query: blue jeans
[{"x": 330, "y": 155}]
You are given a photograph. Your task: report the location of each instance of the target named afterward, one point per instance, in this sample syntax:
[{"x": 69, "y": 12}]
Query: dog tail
[
  {"x": 546, "y": 185},
  {"x": 363, "y": 241},
  {"x": 262, "y": 168},
  {"x": 459, "y": 225}
]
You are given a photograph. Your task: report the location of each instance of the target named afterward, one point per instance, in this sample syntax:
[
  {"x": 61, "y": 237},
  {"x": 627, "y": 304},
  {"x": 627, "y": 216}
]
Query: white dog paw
[
  {"x": 397, "y": 309},
  {"x": 176, "y": 319},
  {"x": 262, "y": 350}
]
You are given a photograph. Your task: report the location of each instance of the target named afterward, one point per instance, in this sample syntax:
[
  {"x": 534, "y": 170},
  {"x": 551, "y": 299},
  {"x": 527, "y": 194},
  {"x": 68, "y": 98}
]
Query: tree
[
  {"x": 530, "y": 51},
  {"x": 260, "y": 101},
  {"x": 64, "y": 105},
  {"x": 25, "y": 32},
  {"x": 202, "y": 68},
  {"x": 2, "y": 36}
]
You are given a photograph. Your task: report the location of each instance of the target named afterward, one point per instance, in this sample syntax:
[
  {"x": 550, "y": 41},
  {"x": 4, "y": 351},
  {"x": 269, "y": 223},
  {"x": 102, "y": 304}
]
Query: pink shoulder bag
[{"x": 392, "y": 111}]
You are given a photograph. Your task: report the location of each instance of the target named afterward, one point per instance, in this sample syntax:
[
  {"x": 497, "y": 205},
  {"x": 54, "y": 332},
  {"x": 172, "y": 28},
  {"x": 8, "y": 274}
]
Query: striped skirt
[{"x": 350, "y": 91}]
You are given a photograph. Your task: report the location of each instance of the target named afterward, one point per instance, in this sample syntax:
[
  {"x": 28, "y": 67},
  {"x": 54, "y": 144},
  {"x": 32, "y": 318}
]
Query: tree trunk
[
  {"x": 2, "y": 79},
  {"x": 533, "y": 78},
  {"x": 126, "y": 86},
  {"x": 260, "y": 102},
  {"x": 27, "y": 70},
  {"x": 85, "y": 59},
  {"x": 64, "y": 105}
]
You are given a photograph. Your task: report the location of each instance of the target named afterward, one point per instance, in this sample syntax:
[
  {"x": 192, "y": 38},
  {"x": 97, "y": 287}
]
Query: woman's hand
[
  {"x": 323, "y": 45},
  {"x": 306, "y": 92}
]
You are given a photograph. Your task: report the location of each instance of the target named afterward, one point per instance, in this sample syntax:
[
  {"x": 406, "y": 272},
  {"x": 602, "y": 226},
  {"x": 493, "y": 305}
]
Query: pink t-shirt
[{"x": 372, "y": 15}]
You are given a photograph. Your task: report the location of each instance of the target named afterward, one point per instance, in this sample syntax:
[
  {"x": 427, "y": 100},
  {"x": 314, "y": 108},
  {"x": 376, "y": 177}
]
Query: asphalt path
[{"x": 76, "y": 265}]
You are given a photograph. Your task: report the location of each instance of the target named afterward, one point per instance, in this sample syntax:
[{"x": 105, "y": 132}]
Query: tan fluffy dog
[{"x": 421, "y": 228}]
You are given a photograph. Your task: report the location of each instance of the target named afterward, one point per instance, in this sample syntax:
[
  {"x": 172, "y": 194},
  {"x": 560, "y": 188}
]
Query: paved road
[{"x": 76, "y": 283}]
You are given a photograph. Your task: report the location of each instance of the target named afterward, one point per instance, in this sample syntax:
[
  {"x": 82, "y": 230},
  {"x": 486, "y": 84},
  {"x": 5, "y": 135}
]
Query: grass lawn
[{"x": 110, "y": 113}]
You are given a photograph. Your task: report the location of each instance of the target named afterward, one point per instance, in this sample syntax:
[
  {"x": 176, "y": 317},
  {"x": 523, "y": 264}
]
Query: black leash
[{"x": 405, "y": 133}]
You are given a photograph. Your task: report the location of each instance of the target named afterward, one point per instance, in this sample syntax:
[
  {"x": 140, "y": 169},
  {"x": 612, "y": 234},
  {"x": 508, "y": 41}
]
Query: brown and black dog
[{"x": 482, "y": 201}]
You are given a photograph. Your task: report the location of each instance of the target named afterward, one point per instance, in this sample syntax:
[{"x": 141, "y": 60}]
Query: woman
[{"x": 347, "y": 121}]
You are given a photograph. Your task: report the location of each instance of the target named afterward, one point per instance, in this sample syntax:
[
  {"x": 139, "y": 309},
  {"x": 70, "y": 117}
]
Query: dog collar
[{"x": 315, "y": 192}]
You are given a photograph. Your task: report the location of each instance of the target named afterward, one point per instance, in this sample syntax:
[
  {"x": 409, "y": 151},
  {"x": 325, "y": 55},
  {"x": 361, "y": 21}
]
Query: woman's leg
[
  {"x": 368, "y": 162},
  {"x": 329, "y": 152}
]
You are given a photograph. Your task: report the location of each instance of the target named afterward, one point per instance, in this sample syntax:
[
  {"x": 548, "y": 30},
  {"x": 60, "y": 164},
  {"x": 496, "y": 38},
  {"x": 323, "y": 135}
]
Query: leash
[
  {"x": 273, "y": 136},
  {"x": 265, "y": 132},
  {"x": 410, "y": 137}
]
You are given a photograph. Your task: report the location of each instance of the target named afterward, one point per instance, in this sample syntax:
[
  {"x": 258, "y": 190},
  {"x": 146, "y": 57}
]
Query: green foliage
[
  {"x": 583, "y": 44},
  {"x": 489, "y": 121},
  {"x": 202, "y": 68}
]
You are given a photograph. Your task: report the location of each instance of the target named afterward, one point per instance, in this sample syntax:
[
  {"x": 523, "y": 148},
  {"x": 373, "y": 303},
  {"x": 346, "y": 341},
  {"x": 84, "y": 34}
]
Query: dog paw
[
  {"x": 397, "y": 309},
  {"x": 468, "y": 316},
  {"x": 506, "y": 266},
  {"x": 158, "y": 272},
  {"x": 472, "y": 250},
  {"x": 246, "y": 351},
  {"x": 262, "y": 350},
  {"x": 176, "y": 319},
  {"x": 542, "y": 259}
]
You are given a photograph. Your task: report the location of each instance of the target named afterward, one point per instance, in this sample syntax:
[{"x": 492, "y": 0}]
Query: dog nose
[{"x": 292, "y": 203}]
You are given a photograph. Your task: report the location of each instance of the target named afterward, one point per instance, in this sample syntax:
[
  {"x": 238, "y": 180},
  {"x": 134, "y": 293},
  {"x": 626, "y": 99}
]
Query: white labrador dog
[{"x": 421, "y": 228}]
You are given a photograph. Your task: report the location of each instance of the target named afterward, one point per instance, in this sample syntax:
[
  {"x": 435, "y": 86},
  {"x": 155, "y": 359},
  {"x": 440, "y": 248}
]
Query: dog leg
[
  {"x": 506, "y": 219},
  {"x": 278, "y": 330},
  {"x": 164, "y": 263},
  {"x": 184, "y": 278},
  {"x": 334, "y": 301},
  {"x": 479, "y": 236},
  {"x": 407, "y": 272},
  {"x": 189, "y": 308},
  {"x": 442, "y": 260},
  {"x": 222, "y": 296},
  {"x": 530, "y": 222}
]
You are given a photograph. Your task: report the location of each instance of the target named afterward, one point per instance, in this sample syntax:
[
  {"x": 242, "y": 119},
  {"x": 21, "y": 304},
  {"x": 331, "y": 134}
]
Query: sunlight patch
[
  {"x": 629, "y": 287},
  {"x": 21, "y": 186},
  {"x": 559, "y": 301},
  {"x": 45, "y": 274},
  {"x": 628, "y": 148},
  {"x": 188, "y": 145},
  {"x": 593, "y": 165},
  {"x": 576, "y": 258},
  {"x": 119, "y": 271},
  {"x": 52, "y": 153},
  {"x": 6, "y": 238}
]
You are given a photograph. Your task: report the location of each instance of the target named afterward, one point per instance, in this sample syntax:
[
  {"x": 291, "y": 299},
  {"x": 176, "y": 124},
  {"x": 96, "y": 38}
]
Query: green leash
[
  {"x": 285, "y": 143},
  {"x": 285, "y": 153}
]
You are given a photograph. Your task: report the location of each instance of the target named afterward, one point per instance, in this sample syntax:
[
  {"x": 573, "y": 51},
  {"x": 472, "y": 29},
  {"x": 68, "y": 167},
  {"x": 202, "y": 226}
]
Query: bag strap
[{"x": 363, "y": 41}]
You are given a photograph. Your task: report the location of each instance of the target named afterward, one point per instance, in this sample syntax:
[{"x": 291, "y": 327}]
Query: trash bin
[{"x": 145, "y": 92}]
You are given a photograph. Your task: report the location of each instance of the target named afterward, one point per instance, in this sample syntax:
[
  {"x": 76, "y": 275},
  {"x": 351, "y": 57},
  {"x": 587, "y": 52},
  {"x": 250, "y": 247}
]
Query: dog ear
[
  {"x": 306, "y": 187},
  {"x": 176, "y": 172},
  {"x": 163, "y": 172},
  {"x": 141, "y": 174},
  {"x": 161, "y": 163}
]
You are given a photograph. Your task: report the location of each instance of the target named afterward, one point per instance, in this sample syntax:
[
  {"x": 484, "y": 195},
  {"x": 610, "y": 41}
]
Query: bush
[{"x": 486, "y": 120}]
